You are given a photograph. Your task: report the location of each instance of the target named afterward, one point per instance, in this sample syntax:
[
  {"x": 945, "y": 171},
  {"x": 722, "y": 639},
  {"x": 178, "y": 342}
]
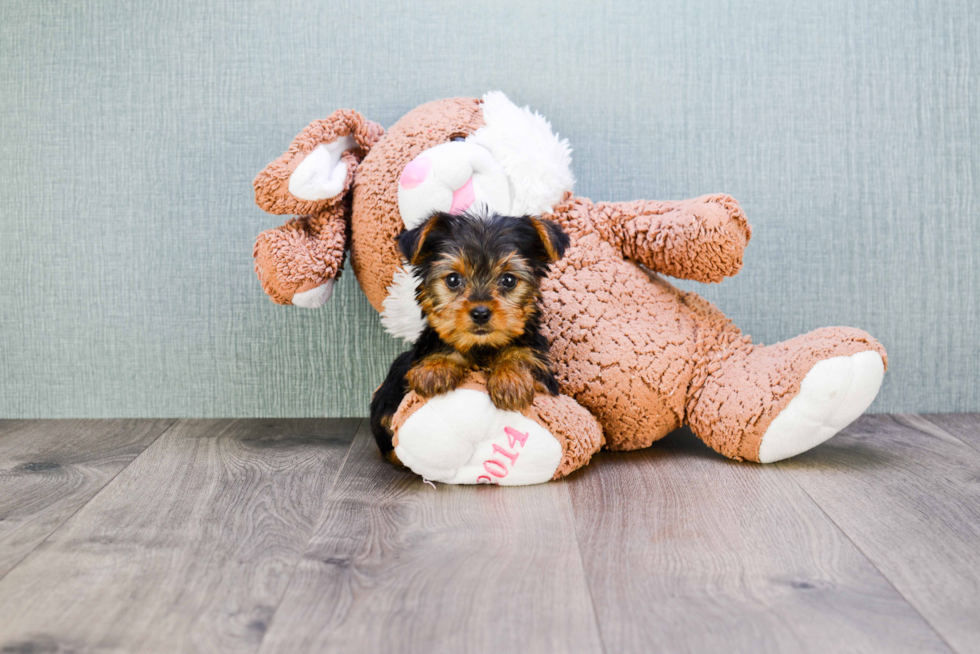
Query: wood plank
[
  {"x": 687, "y": 551},
  {"x": 907, "y": 493},
  {"x": 964, "y": 426},
  {"x": 189, "y": 549},
  {"x": 6, "y": 424},
  {"x": 49, "y": 469},
  {"x": 399, "y": 566}
]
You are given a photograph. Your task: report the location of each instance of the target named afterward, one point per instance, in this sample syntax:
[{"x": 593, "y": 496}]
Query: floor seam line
[
  {"x": 316, "y": 527},
  {"x": 581, "y": 560},
  {"x": 874, "y": 565},
  {"x": 967, "y": 444},
  {"x": 163, "y": 431}
]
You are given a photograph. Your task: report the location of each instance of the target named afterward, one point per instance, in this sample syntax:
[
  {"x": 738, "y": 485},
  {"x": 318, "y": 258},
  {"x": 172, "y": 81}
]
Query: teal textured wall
[{"x": 130, "y": 133}]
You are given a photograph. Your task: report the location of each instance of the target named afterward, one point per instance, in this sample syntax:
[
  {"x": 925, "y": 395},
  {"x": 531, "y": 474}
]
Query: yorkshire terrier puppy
[{"x": 480, "y": 293}]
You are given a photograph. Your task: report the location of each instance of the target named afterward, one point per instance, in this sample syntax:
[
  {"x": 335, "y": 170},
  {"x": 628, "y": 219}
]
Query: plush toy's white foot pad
[
  {"x": 315, "y": 297},
  {"x": 832, "y": 395},
  {"x": 462, "y": 438}
]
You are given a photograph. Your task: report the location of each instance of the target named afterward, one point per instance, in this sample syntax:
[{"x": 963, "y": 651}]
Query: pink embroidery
[
  {"x": 510, "y": 455},
  {"x": 497, "y": 468},
  {"x": 514, "y": 435},
  {"x": 503, "y": 470}
]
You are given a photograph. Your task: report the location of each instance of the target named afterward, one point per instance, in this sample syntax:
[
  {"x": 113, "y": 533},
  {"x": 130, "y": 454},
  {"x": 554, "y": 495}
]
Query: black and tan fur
[{"x": 480, "y": 294}]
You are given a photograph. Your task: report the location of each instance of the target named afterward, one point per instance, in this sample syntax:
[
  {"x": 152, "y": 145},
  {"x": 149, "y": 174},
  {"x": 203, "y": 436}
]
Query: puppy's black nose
[{"x": 480, "y": 315}]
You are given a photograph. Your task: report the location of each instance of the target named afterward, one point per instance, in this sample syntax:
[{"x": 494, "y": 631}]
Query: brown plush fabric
[
  {"x": 637, "y": 351},
  {"x": 575, "y": 429},
  {"x": 700, "y": 239},
  {"x": 375, "y": 221},
  {"x": 742, "y": 389},
  {"x": 272, "y": 184},
  {"x": 642, "y": 356},
  {"x": 309, "y": 250},
  {"x": 302, "y": 254}
]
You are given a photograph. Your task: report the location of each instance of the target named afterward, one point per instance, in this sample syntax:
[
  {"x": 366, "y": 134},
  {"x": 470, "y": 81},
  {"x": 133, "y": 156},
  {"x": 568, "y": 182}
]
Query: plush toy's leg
[
  {"x": 462, "y": 438},
  {"x": 770, "y": 403}
]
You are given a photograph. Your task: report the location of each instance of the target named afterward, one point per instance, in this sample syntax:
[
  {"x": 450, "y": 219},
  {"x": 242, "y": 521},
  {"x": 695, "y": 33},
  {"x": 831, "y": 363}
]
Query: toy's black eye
[
  {"x": 454, "y": 280},
  {"x": 508, "y": 281},
  {"x": 458, "y": 137}
]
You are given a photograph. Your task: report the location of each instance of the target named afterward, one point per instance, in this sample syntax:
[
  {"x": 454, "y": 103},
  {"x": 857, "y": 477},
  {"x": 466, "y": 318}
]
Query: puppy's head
[{"x": 480, "y": 275}]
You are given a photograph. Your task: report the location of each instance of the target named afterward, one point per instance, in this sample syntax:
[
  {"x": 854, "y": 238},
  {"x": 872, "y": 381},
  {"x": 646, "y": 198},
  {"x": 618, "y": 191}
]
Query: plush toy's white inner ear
[{"x": 321, "y": 175}]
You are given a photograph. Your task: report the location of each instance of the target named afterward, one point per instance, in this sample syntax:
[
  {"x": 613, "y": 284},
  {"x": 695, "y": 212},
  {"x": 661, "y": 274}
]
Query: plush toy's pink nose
[
  {"x": 415, "y": 172},
  {"x": 463, "y": 197}
]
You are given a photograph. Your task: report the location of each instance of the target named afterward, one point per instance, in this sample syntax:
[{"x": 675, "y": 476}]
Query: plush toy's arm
[
  {"x": 298, "y": 262},
  {"x": 700, "y": 239}
]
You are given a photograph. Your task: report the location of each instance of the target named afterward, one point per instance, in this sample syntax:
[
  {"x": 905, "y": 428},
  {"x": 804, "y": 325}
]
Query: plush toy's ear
[
  {"x": 319, "y": 166},
  {"x": 554, "y": 240},
  {"x": 298, "y": 262}
]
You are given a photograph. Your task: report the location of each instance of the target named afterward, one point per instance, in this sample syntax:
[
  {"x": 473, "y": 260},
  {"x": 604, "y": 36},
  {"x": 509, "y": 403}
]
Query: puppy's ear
[
  {"x": 412, "y": 243},
  {"x": 553, "y": 238}
]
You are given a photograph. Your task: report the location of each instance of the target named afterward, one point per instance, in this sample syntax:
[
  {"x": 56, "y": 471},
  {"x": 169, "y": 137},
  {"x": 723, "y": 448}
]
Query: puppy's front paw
[
  {"x": 511, "y": 388},
  {"x": 435, "y": 376}
]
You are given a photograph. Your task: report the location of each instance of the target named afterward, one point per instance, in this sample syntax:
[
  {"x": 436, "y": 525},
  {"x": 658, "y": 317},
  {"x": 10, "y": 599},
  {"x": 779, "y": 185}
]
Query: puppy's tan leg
[
  {"x": 511, "y": 382},
  {"x": 437, "y": 374}
]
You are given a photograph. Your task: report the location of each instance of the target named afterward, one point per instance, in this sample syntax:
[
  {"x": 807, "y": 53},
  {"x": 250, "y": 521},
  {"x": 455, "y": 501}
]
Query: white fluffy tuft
[
  {"x": 401, "y": 315},
  {"x": 537, "y": 162}
]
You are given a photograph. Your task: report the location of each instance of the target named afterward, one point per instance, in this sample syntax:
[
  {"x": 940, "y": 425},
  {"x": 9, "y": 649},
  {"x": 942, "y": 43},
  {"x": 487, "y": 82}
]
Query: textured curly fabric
[
  {"x": 575, "y": 428},
  {"x": 701, "y": 239},
  {"x": 622, "y": 343},
  {"x": 308, "y": 250},
  {"x": 302, "y": 254},
  {"x": 272, "y": 184},
  {"x": 638, "y": 352},
  {"x": 641, "y": 355},
  {"x": 746, "y": 387}
]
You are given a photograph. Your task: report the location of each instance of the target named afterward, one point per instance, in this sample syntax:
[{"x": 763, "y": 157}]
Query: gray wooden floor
[{"x": 293, "y": 536}]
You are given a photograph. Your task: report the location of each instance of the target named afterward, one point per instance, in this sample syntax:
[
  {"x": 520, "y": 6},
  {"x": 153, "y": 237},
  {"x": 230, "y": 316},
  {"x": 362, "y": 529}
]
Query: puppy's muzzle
[{"x": 480, "y": 315}]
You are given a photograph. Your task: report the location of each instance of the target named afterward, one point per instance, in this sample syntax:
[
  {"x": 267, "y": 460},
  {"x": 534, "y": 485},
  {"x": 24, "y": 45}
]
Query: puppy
[{"x": 480, "y": 294}]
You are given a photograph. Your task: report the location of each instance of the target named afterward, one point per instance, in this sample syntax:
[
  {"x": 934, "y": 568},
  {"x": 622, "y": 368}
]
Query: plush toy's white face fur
[
  {"x": 455, "y": 177},
  {"x": 513, "y": 165}
]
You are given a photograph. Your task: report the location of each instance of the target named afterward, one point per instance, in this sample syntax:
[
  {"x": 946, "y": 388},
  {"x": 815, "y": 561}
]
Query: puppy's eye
[
  {"x": 458, "y": 137},
  {"x": 454, "y": 280},
  {"x": 508, "y": 281}
]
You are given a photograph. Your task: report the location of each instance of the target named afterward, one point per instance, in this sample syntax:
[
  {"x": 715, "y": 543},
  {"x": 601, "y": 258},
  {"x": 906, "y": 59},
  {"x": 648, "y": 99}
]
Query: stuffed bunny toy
[{"x": 635, "y": 357}]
